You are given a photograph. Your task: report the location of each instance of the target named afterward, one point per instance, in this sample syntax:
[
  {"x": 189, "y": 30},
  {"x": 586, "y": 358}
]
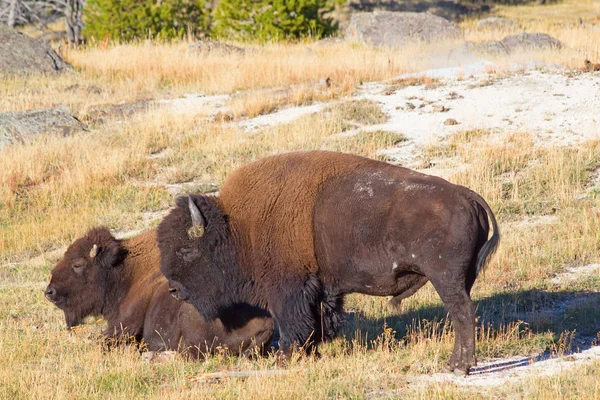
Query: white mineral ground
[
  {"x": 573, "y": 273},
  {"x": 508, "y": 370},
  {"x": 283, "y": 116},
  {"x": 555, "y": 106}
]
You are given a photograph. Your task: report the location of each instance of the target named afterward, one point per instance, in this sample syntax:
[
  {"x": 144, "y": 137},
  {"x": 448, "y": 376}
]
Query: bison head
[
  {"x": 198, "y": 255},
  {"x": 88, "y": 270}
]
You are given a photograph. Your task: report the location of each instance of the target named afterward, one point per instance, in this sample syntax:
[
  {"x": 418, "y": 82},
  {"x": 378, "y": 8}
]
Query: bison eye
[{"x": 78, "y": 267}]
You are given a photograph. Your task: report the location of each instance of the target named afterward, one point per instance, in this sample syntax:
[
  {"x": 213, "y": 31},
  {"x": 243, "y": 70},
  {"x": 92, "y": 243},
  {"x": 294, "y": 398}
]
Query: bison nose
[
  {"x": 50, "y": 293},
  {"x": 173, "y": 292}
]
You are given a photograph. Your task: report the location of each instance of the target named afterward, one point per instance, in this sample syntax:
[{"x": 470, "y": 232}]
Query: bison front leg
[
  {"x": 118, "y": 335},
  {"x": 460, "y": 307},
  {"x": 259, "y": 344},
  {"x": 255, "y": 337},
  {"x": 296, "y": 310}
]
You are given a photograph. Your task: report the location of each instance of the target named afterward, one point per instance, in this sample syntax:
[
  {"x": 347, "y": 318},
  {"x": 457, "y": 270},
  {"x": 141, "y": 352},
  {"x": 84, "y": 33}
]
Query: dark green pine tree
[
  {"x": 138, "y": 19},
  {"x": 272, "y": 20}
]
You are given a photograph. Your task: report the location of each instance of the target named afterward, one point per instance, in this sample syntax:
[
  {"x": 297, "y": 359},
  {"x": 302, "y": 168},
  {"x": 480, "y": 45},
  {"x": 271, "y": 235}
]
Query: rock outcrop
[
  {"x": 514, "y": 44},
  {"x": 530, "y": 41},
  {"x": 24, "y": 126},
  {"x": 396, "y": 29},
  {"x": 20, "y": 54}
]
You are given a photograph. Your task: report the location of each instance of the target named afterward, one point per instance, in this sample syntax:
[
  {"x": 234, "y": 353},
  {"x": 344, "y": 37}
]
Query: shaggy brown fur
[
  {"x": 123, "y": 283},
  {"x": 296, "y": 232}
]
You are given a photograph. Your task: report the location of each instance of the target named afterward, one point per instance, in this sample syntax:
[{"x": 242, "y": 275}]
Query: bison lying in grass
[
  {"x": 121, "y": 280},
  {"x": 296, "y": 232}
]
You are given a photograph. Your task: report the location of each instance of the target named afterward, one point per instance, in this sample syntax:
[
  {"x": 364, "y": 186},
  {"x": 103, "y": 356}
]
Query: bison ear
[
  {"x": 109, "y": 256},
  {"x": 198, "y": 221}
]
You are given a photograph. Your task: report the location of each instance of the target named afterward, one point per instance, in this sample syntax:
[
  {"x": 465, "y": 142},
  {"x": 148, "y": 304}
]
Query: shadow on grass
[
  {"x": 553, "y": 324},
  {"x": 449, "y": 9},
  {"x": 567, "y": 321}
]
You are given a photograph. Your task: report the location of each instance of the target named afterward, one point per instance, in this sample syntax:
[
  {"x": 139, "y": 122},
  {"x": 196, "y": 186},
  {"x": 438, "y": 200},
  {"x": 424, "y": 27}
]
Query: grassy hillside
[{"x": 123, "y": 172}]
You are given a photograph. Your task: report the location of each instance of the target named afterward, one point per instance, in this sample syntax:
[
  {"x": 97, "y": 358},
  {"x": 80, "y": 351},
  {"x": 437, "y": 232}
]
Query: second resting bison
[
  {"x": 296, "y": 232},
  {"x": 121, "y": 280}
]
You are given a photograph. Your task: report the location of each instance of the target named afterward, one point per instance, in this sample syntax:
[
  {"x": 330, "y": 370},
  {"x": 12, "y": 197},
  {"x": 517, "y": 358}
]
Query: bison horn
[
  {"x": 94, "y": 251},
  {"x": 198, "y": 223}
]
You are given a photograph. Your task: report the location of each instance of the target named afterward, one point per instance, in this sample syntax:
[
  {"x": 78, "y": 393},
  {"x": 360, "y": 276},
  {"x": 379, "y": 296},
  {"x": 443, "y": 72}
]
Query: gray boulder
[
  {"x": 99, "y": 114},
  {"x": 513, "y": 44},
  {"x": 396, "y": 29},
  {"x": 24, "y": 126},
  {"x": 530, "y": 41},
  {"x": 20, "y": 54},
  {"x": 495, "y": 24}
]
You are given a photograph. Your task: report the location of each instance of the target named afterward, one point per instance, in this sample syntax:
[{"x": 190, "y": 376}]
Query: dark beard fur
[
  {"x": 72, "y": 319},
  {"x": 74, "y": 316}
]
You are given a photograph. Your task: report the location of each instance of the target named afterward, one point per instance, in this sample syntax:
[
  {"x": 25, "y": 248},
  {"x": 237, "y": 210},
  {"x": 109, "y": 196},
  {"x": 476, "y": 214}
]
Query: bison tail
[{"x": 491, "y": 245}]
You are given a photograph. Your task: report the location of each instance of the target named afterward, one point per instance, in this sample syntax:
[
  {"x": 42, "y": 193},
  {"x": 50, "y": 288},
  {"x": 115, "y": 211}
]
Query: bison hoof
[
  {"x": 455, "y": 370},
  {"x": 448, "y": 369},
  {"x": 282, "y": 359}
]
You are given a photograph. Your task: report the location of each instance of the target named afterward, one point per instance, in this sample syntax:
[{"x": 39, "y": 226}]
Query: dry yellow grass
[
  {"x": 560, "y": 20},
  {"x": 132, "y": 72},
  {"x": 368, "y": 359},
  {"x": 520, "y": 178},
  {"x": 118, "y": 174},
  {"x": 568, "y": 12},
  {"x": 259, "y": 102},
  {"x": 274, "y": 65},
  {"x": 140, "y": 71},
  {"x": 55, "y": 188}
]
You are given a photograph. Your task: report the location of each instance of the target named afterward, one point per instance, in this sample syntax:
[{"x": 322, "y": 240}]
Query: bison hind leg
[{"x": 458, "y": 302}]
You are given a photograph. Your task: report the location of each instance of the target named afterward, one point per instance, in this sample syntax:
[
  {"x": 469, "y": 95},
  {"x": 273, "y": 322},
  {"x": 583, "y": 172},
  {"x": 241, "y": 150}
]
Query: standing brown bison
[
  {"x": 121, "y": 280},
  {"x": 296, "y": 232}
]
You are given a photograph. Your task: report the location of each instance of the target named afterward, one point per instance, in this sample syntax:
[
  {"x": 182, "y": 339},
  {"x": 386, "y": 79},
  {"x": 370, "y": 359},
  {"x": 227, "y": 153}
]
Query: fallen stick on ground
[{"x": 215, "y": 376}]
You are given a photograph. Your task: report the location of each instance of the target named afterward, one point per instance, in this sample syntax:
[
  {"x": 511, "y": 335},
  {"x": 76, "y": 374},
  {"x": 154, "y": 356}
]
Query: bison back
[
  {"x": 339, "y": 216},
  {"x": 270, "y": 204},
  {"x": 378, "y": 229}
]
